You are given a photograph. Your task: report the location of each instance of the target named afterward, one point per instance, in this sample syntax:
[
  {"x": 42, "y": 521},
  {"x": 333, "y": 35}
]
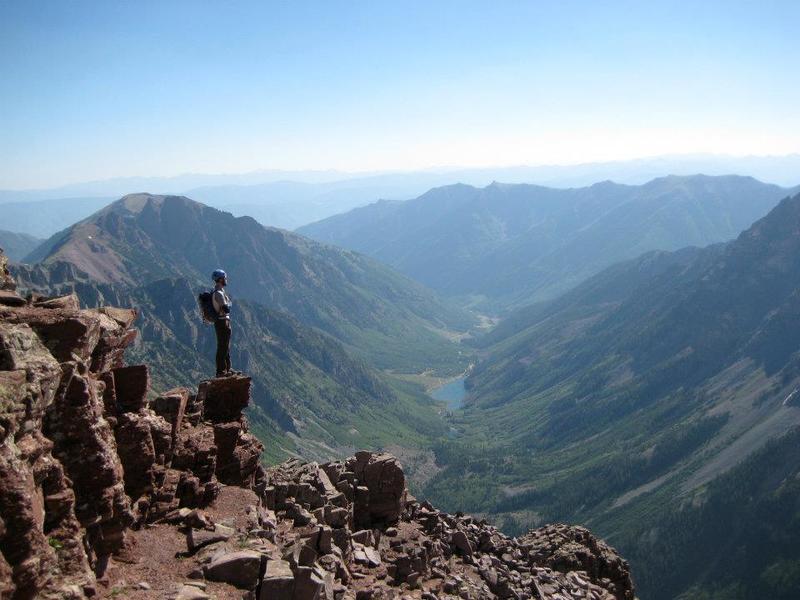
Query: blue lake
[{"x": 452, "y": 393}]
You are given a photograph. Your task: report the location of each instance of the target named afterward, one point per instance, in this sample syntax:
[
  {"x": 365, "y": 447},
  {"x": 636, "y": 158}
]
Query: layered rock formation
[
  {"x": 107, "y": 488},
  {"x": 85, "y": 454}
]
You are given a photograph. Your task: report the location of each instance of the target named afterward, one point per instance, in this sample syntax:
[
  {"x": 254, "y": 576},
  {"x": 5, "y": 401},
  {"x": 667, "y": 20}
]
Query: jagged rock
[
  {"x": 383, "y": 476},
  {"x": 144, "y": 442},
  {"x": 238, "y": 454},
  {"x": 308, "y": 584},
  {"x": 9, "y": 298},
  {"x": 85, "y": 445},
  {"x": 34, "y": 492},
  {"x": 195, "y": 451},
  {"x": 461, "y": 541},
  {"x": 197, "y": 538},
  {"x": 131, "y": 385},
  {"x": 373, "y": 556},
  {"x": 298, "y": 514},
  {"x": 278, "y": 581},
  {"x": 171, "y": 406},
  {"x": 224, "y": 398},
  {"x": 7, "y": 282},
  {"x": 30, "y": 381},
  {"x": 68, "y": 302},
  {"x": 67, "y": 334},
  {"x": 337, "y": 517},
  {"x": 237, "y": 568},
  {"x": 190, "y": 592},
  {"x": 364, "y": 537},
  {"x": 116, "y": 335},
  {"x": 567, "y": 548}
]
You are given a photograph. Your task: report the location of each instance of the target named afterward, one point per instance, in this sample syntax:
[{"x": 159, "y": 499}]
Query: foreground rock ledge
[{"x": 108, "y": 491}]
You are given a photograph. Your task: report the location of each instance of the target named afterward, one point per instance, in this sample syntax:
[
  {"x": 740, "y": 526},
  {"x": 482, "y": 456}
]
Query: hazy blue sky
[{"x": 91, "y": 90}]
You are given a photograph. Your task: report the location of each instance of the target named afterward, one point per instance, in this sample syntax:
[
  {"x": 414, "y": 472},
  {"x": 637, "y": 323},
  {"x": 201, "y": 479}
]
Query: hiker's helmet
[{"x": 218, "y": 274}]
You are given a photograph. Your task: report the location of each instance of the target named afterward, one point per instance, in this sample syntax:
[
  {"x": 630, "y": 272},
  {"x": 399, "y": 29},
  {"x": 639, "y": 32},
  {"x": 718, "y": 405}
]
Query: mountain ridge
[
  {"x": 17, "y": 245},
  {"x": 507, "y": 245}
]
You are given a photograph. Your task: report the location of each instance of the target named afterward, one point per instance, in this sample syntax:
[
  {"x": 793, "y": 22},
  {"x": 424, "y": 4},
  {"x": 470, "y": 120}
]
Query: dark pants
[{"x": 223, "y": 329}]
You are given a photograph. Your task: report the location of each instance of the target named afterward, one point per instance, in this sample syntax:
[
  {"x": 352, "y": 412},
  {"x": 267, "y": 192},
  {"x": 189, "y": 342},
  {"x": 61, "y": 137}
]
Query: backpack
[{"x": 206, "y": 305}]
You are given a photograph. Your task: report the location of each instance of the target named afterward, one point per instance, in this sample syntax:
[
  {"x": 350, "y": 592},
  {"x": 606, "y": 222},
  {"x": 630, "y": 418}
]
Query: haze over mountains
[
  {"x": 509, "y": 245},
  {"x": 290, "y": 199},
  {"x": 18, "y": 245}
]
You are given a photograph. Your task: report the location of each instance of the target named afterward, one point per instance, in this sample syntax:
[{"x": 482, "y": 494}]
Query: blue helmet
[{"x": 218, "y": 274}]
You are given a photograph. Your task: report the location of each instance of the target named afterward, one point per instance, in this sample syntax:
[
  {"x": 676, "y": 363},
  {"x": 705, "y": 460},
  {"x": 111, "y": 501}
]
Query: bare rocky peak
[
  {"x": 107, "y": 488},
  {"x": 135, "y": 203}
]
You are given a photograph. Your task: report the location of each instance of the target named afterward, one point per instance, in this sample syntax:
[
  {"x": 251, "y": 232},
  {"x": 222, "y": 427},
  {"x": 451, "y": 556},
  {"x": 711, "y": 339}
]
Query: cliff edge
[{"x": 107, "y": 489}]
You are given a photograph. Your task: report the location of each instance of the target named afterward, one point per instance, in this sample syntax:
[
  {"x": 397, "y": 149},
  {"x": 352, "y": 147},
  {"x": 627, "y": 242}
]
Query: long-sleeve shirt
[{"x": 222, "y": 303}]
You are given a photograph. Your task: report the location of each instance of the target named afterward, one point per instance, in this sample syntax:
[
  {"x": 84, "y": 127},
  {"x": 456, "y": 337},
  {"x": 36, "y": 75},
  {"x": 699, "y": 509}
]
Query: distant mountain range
[
  {"x": 382, "y": 315},
  {"x": 508, "y": 245},
  {"x": 18, "y": 245},
  {"x": 290, "y": 199},
  {"x": 628, "y": 403}
]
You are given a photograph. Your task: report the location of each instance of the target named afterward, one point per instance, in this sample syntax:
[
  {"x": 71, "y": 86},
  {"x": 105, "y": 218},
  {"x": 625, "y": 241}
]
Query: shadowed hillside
[{"x": 623, "y": 402}]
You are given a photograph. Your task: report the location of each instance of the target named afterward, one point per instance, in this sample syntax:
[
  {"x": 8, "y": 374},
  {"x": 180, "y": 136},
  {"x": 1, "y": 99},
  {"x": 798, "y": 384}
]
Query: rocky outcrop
[
  {"x": 8, "y": 296},
  {"x": 354, "y": 526},
  {"x": 86, "y": 453},
  {"x": 98, "y": 472}
]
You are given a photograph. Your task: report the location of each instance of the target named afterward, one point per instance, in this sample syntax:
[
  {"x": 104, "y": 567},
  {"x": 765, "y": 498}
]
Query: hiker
[{"x": 222, "y": 324}]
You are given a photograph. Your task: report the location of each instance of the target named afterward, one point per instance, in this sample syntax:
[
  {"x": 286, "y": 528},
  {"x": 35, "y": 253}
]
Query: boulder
[
  {"x": 171, "y": 406},
  {"x": 68, "y": 335},
  {"x": 309, "y": 584},
  {"x": 7, "y": 282},
  {"x": 224, "y": 398},
  {"x": 462, "y": 543},
  {"x": 9, "y": 298},
  {"x": 278, "y": 581},
  {"x": 68, "y": 302},
  {"x": 197, "y": 538},
  {"x": 131, "y": 385},
  {"x": 383, "y": 476},
  {"x": 190, "y": 592},
  {"x": 240, "y": 569},
  {"x": 195, "y": 451}
]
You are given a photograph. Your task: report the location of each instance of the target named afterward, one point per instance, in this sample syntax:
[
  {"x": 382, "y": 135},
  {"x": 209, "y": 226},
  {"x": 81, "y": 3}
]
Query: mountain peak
[{"x": 136, "y": 203}]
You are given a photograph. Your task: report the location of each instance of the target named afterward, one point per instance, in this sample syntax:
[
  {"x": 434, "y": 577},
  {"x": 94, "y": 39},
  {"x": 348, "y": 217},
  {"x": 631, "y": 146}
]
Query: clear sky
[{"x": 92, "y": 90}]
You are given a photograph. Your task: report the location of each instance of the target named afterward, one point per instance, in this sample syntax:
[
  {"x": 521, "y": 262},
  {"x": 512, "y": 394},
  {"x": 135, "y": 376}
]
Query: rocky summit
[{"x": 109, "y": 489}]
